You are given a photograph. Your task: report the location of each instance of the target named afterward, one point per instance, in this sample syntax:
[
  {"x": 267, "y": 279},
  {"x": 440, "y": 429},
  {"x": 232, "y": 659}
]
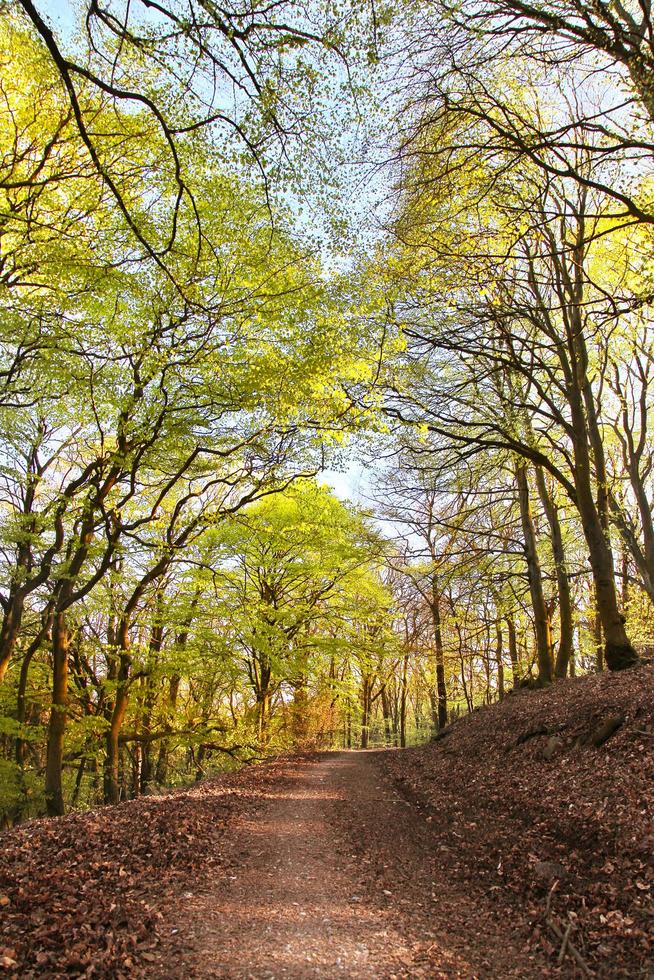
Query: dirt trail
[{"x": 334, "y": 874}]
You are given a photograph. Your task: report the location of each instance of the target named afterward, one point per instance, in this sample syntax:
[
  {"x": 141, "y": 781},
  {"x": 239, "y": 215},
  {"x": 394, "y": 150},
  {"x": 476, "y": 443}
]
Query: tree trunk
[
  {"x": 441, "y": 689},
  {"x": 366, "y": 691},
  {"x": 625, "y": 578},
  {"x": 433, "y": 704},
  {"x": 263, "y": 678},
  {"x": 161, "y": 773},
  {"x": 619, "y": 654},
  {"x": 45, "y": 633},
  {"x": 146, "y": 762},
  {"x": 565, "y": 651},
  {"x": 587, "y": 438},
  {"x": 541, "y": 618},
  {"x": 78, "y": 782},
  {"x": 388, "y": 718},
  {"x": 112, "y": 739},
  {"x": 112, "y": 744},
  {"x": 9, "y": 631},
  {"x": 513, "y": 651},
  {"x": 403, "y": 700},
  {"x": 54, "y": 798},
  {"x": 299, "y": 719},
  {"x": 464, "y": 685},
  {"x": 599, "y": 646},
  {"x": 500, "y": 663},
  {"x": 263, "y": 714}
]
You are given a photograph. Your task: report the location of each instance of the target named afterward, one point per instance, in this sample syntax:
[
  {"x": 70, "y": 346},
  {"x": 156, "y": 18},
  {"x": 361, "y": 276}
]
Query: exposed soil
[
  {"x": 333, "y": 876},
  {"x": 475, "y": 856}
]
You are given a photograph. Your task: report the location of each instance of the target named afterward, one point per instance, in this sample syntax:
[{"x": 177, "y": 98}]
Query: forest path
[{"x": 333, "y": 876}]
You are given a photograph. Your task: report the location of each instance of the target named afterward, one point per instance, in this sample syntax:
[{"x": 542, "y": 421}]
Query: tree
[
  {"x": 510, "y": 366},
  {"x": 291, "y": 565},
  {"x": 242, "y": 80}
]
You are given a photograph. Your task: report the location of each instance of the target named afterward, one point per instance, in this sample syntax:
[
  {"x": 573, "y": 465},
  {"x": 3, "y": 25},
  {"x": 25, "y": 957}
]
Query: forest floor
[{"x": 512, "y": 847}]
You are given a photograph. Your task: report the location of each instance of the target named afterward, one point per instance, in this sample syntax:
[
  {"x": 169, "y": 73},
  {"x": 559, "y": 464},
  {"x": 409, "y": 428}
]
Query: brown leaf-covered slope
[
  {"x": 468, "y": 857},
  {"x": 525, "y": 801},
  {"x": 84, "y": 893}
]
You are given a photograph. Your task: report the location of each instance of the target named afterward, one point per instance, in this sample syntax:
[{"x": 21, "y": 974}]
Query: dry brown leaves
[
  {"x": 82, "y": 895},
  {"x": 521, "y": 815},
  {"x": 556, "y": 834}
]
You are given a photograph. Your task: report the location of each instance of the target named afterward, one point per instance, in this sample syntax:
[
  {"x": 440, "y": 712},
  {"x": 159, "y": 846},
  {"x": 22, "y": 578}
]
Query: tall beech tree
[
  {"x": 537, "y": 316},
  {"x": 488, "y": 105},
  {"x": 290, "y": 563}
]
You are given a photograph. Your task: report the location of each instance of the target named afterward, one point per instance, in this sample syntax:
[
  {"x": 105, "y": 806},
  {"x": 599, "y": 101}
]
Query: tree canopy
[{"x": 241, "y": 247}]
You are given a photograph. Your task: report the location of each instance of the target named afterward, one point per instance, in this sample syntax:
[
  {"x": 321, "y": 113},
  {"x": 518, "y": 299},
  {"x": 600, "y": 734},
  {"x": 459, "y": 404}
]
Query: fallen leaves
[
  {"x": 8, "y": 958},
  {"x": 86, "y": 893},
  {"x": 81, "y": 895},
  {"x": 552, "y": 786}
]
